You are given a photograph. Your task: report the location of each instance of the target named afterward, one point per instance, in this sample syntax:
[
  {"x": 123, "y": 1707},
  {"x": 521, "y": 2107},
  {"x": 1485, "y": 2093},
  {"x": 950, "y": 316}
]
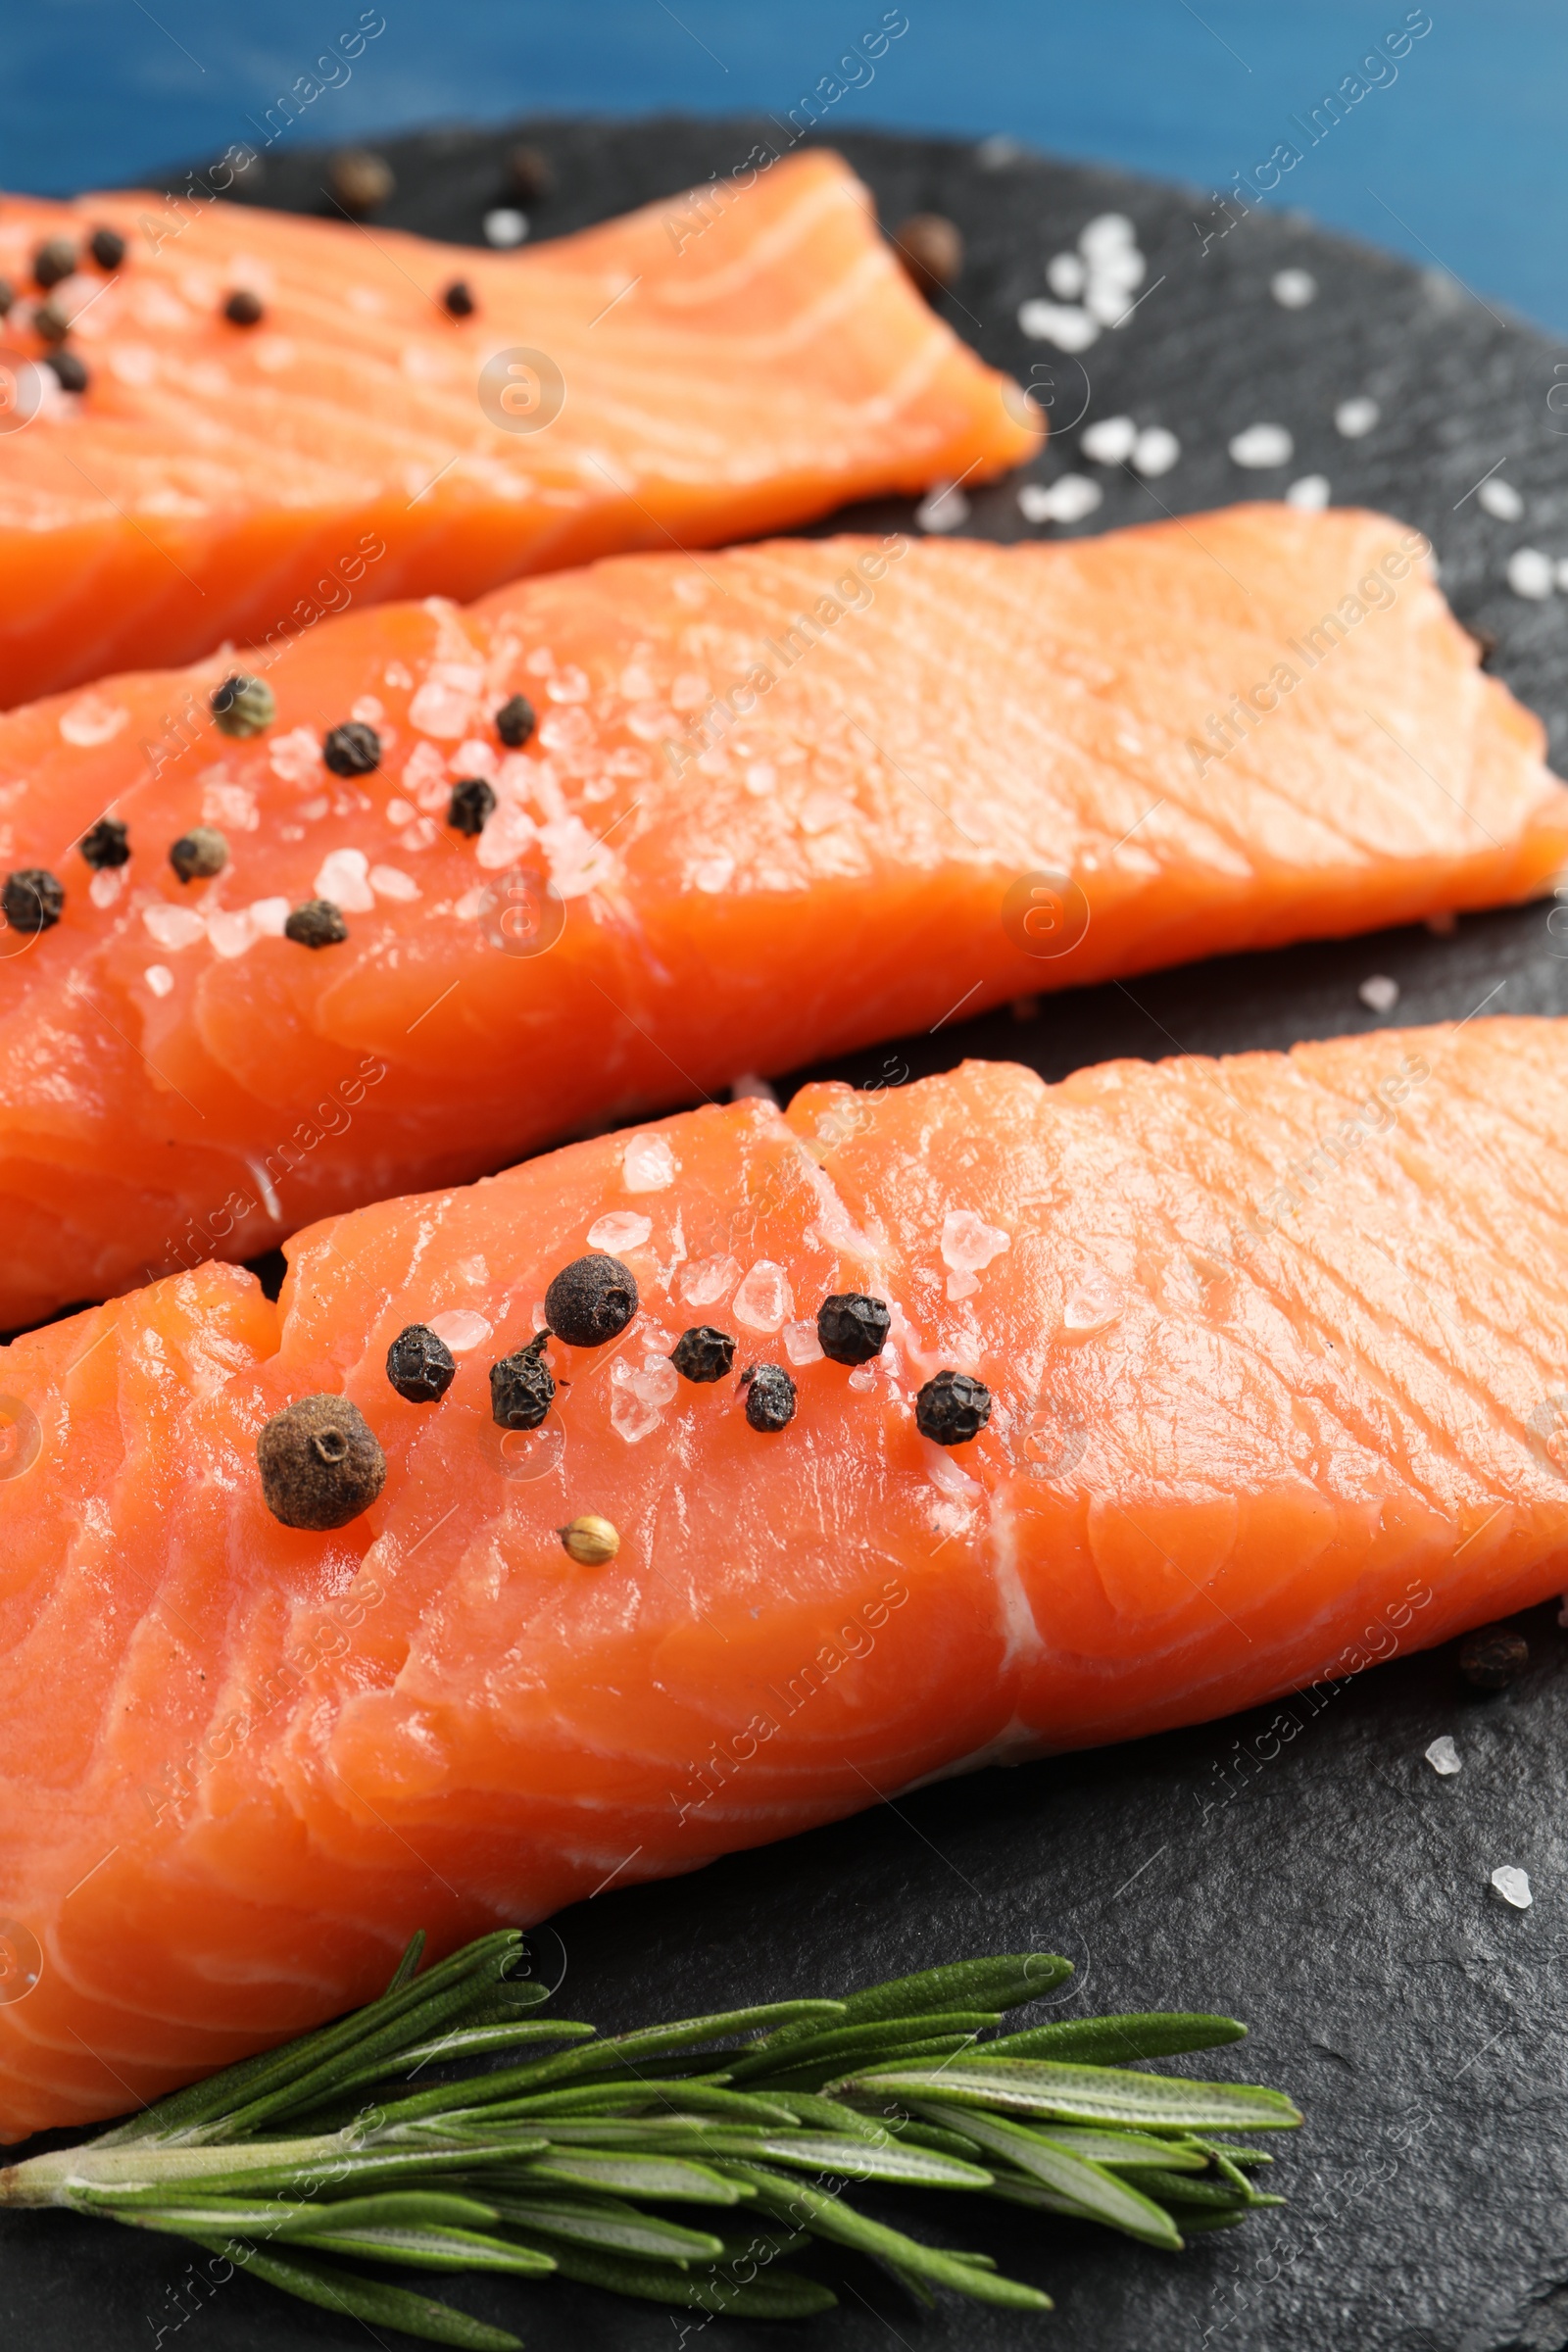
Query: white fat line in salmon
[
  {"x": 701, "y": 206},
  {"x": 721, "y": 710},
  {"x": 205, "y": 1237},
  {"x": 1375, "y": 70},
  {"x": 1374, "y": 593},
  {"x": 193, "y": 721},
  {"x": 725, "y": 1758},
  {"x": 1232, "y": 1775}
]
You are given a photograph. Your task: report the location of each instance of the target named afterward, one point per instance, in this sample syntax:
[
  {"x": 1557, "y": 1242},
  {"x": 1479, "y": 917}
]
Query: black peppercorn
[
  {"x": 591, "y": 1301},
  {"x": 769, "y": 1397},
  {"x": 953, "y": 1408},
  {"x": 320, "y": 1464},
  {"x": 521, "y": 1388},
  {"x": 516, "y": 722},
  {"x": 33, "y": 899},
  {"x": 362, "y": 182},
  {"x": 69, "y": 371},
  {"x": 316, "y": 925},
  {"x": 703, "y": 1353},
  {"x": 53, "y": 259},
  {"x": 352, "y": 750},
  {"x": 199, "y": 853},
  {"x": 50, "y": 323},
  {"x": 531, "y": 174},
  {"x": 242, "y": 705},
  {"x": 107, "y": 842},
  {"x": 243, "y": 308},
  {"x": 107, "y": 247},
  {"x": 471, "y": 804},
  {"x": 420, "y": 1365},
  {"x": 457, "y": 300},
  {"x": 1493, "y": 1657},
  {"x": 852, "y": 1328}
]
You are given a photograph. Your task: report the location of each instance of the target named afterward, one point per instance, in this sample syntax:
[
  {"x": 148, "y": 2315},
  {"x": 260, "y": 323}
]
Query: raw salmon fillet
[
  {"x": 214, "y": 480},
  {"x": 1276, "y": 1349},
  {"x": 749, "y": 875}
]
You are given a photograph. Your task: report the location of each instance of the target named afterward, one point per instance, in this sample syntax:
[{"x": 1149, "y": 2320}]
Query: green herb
[{"x": 685, "y": 2163}]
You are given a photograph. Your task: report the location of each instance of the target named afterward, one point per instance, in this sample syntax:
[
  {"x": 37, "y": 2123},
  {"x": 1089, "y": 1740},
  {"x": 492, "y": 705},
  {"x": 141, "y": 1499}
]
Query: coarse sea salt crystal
[
  {"x": 106, "y": 885},
  {"x": 159, "y": 978},
  {"x": 1058, "y": 323},
  {"x": 1530, "y": 573},
  {"x": 1444, "y": 1756},
  {"x": 268, "y": 916},
  {"x": 1091, "y": 1308},
  {"x": 1110, "y": 440},
  {"x": 1500, "y": 499},
  {"x": 1513, "y": 1885},
  {"x": 1260, "y": 445},
  {"x": 504, "y": 226},
  {"x": 343, "y": 876},
  {"x": 1068, "y": 499},
  {"x": 173, "y": 927},
  {"x": 801, "y": 1343},
  {"x": 765, "y": 1300},
  {"x": 621, "y": 1230},
  {"x": 389, "y": 882},
  {"x": 91, "y": 720},
  {"x": 461, "y": 1329},
  {"x": 943, "y": 509},
  {"x": 1310, "y": 494},
  {"x": 1380, "y": 994},
  {"x": 1354, "y": 419},
  {"x": 1293, "y": 289},
  {"x": 230, "y": 933},
  {"x": 705, "y": 1282},
  {"x": 1155, "y": 451},
  {"x": 968, "y": 1243},
  {"x": 1066, "y": 275},
  {"x": 637, "y": 1398},
  {"x": 1107, "y": 234},
  {"x": 296, "y": 756},
  {"x": 648, "y": 1165}
]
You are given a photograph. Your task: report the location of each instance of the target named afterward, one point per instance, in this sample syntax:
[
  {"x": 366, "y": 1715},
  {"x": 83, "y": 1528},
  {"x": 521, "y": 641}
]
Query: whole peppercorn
[
  {"x": 107, "y": 247},
  {"x": 852, "y": 1328},
  {"x": 243, "y": 706},
  {"x": 471, "y": 804},
  {"x": 953, "y": 1408},
  {"x": 107, "y": 842},
  {"x": 53, "y": 261},
  {"x": 703, "y": 1353},
  {"x": 931, "y": 249},
  {"x": 590, "y": 1541},
  {"x": 522, "y": 1387},
  {"x": 360, "y": 181},
  {"x": 33, "y": 899},
  {"x": 244, "y": 308},
  {"x": 199, "y": 853},
  {"x": 591, "y": 1301},
  {"x": 50, "y": 323},
  {"x": 516, "y": 722},
  {"x": 69, "y": 371},
  {"x": 318, "y": 923},
  {"x": 1493, "y": 1657},
  {"x": 769, "y": 1397},
  {"x": 457, "y": 300},
  {"x": 320, "y": 1464},
  {"x": 352, "y": 750},
  {"x": 531, "y": 174},
  {"x": 420, "y": 1365}
]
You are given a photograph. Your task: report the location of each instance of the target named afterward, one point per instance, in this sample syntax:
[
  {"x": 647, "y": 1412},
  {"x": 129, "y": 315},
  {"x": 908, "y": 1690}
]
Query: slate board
[{"x": 1335, "y": 1892}]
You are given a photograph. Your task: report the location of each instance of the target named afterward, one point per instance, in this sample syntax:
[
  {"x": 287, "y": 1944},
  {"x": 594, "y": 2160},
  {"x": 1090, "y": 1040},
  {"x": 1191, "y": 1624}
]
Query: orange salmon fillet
[
  {"x": 1276, "y": 1348},
  {"x": 840, "y": 863},
  {"x": 214, "y": 480}
]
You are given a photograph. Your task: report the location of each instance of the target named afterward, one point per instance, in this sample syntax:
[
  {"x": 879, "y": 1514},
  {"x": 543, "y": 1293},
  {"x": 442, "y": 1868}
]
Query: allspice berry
[
  {"x": 931, "y": 249},
  {"x": 591, "y": 1301},
  {"x": 590, "y": 1541},
  {"x": 320, "y": 1464},
  {"x": 360, "y": 181},
  {"x": 522, "y": 1387},
  {"x": 199, "y": 853}
]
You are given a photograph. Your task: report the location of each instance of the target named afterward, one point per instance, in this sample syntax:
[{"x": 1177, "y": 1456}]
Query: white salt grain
[
  {"x": 801, "y": 1343},
  {"x": 1155, "y": 451},
  {"x": 1067, "y": 500},
  {"x": 648, "y": 1165},
  {"x": 1107, "y": 234},
  {"x": 621, "y": 1230},
  {"x": 748, "y": 1087},
  {"x": 1110, "y": 440},
  {"x": 1354, "y": 419},
  {"x": 159, "y": 978},
  {"x": 504, "y": 227},
  {"x": 1293, "y": 289},
  {"x": 461, "y": 1330},
  {"x": 1262, "y": 445},
  {"x": 1500, "y": 499},
  {"x": 1444, "y": 1756},
  {"x": 1513, "y": 1885},
  {"x": 1380, "y": 994},
  {"x": 1311, "y": 494},
  {"x": 1057, "y": 322},
  {"x": 1530, "y": 573},
  {"x": 943, "y": 509},
  {"x": 1066, "y": 275}
]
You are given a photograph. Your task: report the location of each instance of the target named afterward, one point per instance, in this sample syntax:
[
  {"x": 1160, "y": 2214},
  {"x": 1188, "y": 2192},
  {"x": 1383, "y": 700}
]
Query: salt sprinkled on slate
[
  {"x": 1155, "y": 451},
  {"x": 1311, "y": 494},
  {"x": 1110, "y": 440},
  {"x": 1380, "y": 994},
  {"x": 1061, "y": 323},
  {"x": 1500, "y": 499},
  {"x": 1293, "y": 289},
  {"x": 1444, "y": 1757},
  {"x": 1066, "y": 275},
  {"x": 504, "y": 227},
  {"x": 1262, "y": 445},
  {"x": 1513, "y": 1885},
  {"x": 1066, "y": 500},
  {"x": 1354, "y": 419},
  {"x": 944, "y": 509},
  {"x": 1530, "y": 573}
]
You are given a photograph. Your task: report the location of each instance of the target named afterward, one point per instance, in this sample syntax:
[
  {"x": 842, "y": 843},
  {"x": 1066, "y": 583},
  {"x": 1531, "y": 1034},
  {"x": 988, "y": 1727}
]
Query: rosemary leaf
[
  {"x": 430, "y": 2249},
  {"x": 877, "y": 2038},
  {"x": 408, "y": 1968},
  {"x": 1086, "y": 2094},
  {"x": 1119, "y": 2040},
  {"x": 1102, "y": 2194},
  {"x": 1121, "y": 2149},
  {"x": 611, "y": 2223},
  {"x": 352, "y": 2297},
  {"x": 671, "y": 2177},
  {"x": 774, "y": 2293}
]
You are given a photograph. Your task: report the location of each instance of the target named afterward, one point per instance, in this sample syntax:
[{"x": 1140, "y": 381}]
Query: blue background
[{"x": 1459, "y": 161}]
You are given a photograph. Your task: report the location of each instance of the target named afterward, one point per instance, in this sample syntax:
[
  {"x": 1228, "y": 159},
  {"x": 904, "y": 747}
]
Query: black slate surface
[{"x": 1320, "y": 1881}]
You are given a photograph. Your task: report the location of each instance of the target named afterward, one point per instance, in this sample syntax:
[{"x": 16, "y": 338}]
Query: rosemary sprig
[{"x": 685, "y": 2163}]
